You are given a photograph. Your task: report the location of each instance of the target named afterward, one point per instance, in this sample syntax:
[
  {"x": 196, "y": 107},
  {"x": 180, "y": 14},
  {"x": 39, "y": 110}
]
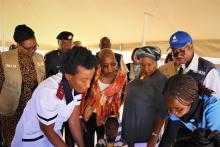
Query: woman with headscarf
[
  {"x": 144, "y": 103},
  {"x": 21, "y": 70},
  {"x": 104, "y": 97},
  {"x": 190, "y": 105}
]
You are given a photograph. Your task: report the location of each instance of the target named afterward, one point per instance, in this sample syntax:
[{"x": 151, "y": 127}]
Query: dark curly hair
[{"x": 75, "y": 57}]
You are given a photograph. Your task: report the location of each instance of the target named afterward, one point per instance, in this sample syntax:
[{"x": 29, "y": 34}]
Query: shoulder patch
[
  {"x": 51, "y": 52},
  {"x": 60, "y": 91}
]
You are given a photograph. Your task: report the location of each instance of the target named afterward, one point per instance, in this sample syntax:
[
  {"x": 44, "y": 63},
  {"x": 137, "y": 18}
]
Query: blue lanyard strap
[{"x": 188, "y": 125}]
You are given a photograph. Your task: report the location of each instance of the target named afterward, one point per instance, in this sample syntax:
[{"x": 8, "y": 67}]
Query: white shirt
[
  {"x": 102, "y": 85},
  {"x": 211, "y": 81},
  {"x": 46, "y": 107}
]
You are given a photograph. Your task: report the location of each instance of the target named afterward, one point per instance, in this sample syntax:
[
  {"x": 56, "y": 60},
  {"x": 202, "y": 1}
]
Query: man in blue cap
[
  {"x": 200, "y": 69},
  {"x": 52, "y": 59},
  {"x": 181, "y": 45}
]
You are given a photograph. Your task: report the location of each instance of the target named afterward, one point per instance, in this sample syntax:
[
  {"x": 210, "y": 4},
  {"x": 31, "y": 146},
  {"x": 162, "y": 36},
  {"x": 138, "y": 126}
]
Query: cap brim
[{"x": 169, "y": 48}]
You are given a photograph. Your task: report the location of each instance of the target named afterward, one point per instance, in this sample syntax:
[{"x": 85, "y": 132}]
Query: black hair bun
[{"x": 22, "y": 33}]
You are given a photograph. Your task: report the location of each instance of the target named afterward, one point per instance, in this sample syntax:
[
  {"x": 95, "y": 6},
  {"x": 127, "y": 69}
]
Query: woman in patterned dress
[
  {"x": 104, "y": 97},
  {"x": 24, "y": 69}
]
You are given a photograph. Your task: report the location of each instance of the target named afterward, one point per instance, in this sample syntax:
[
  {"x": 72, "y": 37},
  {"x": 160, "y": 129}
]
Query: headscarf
[{"x": 149, "y": 51}]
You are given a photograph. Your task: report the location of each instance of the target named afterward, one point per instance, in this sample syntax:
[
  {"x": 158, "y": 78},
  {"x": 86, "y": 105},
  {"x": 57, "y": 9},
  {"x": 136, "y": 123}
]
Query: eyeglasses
[
  {"x": 179, "y": 51},
  {"x": 109, "y": 65},
  {"x": 35, "y": 47}
]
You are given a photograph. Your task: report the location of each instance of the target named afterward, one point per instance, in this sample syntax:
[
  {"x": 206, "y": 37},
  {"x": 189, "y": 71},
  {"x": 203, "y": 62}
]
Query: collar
[
  {"x": 65, "y": 90},
  {"x": 193, "y": 64},
  {"x": 75, "y": 93},
  {"x": 59, "y": 52},
  {"x": 195, "y": 112}
]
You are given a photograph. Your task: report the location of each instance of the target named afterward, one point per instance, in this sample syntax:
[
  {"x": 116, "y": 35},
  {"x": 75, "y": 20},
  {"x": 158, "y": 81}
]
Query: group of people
[{"x": 73, "y": 91}]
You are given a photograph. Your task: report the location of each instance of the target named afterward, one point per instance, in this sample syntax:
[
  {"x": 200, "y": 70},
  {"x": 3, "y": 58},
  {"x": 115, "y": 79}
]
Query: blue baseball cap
[{"x": 179, "y": 39}]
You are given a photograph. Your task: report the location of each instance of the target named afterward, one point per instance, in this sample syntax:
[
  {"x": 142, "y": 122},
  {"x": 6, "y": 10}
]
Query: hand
[
  {"x": 152, "y": 142},
  {"x": 82, "y": 122}
]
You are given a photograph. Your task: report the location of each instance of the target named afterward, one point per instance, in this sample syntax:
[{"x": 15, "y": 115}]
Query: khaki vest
[{"x": 11, "y": 88}]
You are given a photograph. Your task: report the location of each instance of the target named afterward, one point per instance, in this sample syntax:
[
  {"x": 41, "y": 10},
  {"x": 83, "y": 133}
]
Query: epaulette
[
  {"x": 50, "y": 52},
  {"x": 60, "y": 91}
]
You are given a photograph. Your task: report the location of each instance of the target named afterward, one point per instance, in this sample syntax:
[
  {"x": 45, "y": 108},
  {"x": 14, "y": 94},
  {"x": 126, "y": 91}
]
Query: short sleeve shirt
[
  {"x": 212, "y": 80},
  {"x": 46, "y": 107}
]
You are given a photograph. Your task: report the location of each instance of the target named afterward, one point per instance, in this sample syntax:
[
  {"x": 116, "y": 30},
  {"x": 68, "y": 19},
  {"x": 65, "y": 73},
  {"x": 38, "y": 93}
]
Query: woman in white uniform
[{"x": 55, "y": 101}]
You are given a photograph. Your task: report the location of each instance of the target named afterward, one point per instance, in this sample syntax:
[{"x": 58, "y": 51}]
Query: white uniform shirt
[
  {"x": 211, "y": 81},
  {"x": 46, "y": 107}
]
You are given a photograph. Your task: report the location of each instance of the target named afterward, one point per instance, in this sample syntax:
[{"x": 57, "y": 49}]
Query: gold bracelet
[{"x": 155, "y": 134}]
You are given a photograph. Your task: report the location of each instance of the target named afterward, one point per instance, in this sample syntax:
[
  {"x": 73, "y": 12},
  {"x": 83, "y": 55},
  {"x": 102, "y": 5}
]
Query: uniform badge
[
  {"x": 40, "y": 63},
  {"x": 174, "y": 39},
  {"x": 60, "y": 91},
  {"x": 70, "y": 37},
  {"x": 11, "y": 66}
]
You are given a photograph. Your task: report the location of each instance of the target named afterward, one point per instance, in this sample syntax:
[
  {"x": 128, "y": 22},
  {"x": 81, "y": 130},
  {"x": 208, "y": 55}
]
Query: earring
[{"x": 68, "y": 76}]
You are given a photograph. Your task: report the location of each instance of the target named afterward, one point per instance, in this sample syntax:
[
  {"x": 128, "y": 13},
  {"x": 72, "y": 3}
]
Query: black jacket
[{"x": 52, "y": 62}]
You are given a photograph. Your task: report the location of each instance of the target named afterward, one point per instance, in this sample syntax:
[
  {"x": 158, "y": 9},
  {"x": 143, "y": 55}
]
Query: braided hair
[{"x": 185, "y": 89}]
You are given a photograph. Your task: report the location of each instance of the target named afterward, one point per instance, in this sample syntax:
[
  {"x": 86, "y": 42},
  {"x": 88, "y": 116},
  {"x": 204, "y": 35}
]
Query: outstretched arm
[
  {"x": 75, "y": 127},
  {"x": 156, "y": 132},
  {"x": 52, "y": 136}
]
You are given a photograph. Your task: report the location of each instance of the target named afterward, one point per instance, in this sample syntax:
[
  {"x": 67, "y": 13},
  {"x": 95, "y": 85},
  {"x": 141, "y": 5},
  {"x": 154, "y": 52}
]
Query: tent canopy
[{"x": 125, "y": 22}]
